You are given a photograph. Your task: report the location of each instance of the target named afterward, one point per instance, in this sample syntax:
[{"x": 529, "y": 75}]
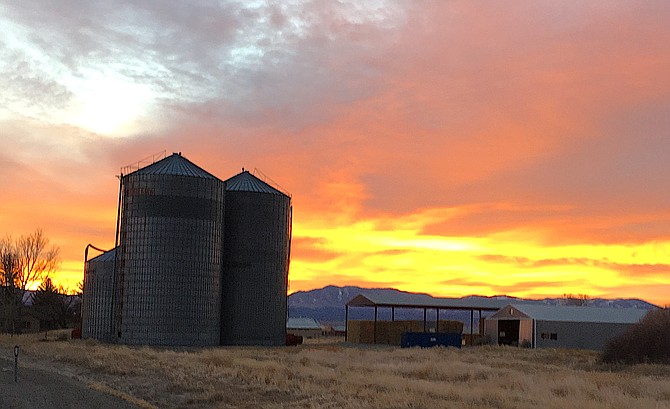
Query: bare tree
[
  {"x": 9, "y": 262},
  {"x": 36, "y": 261},
  {"x": 579, "y": 300},
  {"x": 22, "y": 262},
  {"x": 10, "y": 296}
]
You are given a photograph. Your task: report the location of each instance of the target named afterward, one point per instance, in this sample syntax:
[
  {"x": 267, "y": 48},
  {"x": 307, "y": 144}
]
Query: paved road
[{"x": 37, "y": 389}]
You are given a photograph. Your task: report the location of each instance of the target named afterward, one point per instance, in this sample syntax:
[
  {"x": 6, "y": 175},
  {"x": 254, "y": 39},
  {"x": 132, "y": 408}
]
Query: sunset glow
[
  {"x": 503, "y": 263},
  {"x": 452, "y": 148}
]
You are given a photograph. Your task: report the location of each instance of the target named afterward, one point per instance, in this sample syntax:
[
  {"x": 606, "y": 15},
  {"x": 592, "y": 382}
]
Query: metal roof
[
  {"x": 302, "y": 323},
  {"x": 175, "y": 164},
  {"x": 576, "y": 314},
  {"x": 246, "y": 182},
  {"x": 106, "y": 256},
  {"x": 411, "y": 300}
]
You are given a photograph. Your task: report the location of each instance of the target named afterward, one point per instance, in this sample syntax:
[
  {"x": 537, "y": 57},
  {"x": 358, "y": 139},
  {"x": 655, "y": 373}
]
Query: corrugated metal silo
[
  {"x": 171, "y": 238},
  {"x": 255, "y": 262},
  {"x": 96, "y": 309}
]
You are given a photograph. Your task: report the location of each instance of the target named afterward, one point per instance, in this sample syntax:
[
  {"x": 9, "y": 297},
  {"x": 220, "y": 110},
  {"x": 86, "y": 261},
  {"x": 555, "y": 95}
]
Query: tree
[
  {"x": 579, "y": 300},
  {"x": 53, "y": 307},
  {"x": 10, "y": 297},
  {"x": 36, "y": 261},
  {"x": 648, "y": 341},
  {"x": 9, "y": 262},
  {"x": 22, "y": 262}
]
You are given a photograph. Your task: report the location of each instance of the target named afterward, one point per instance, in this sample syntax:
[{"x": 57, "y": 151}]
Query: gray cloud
[
  {"x": 26, "y": 87},
  {"x": 289, "y": 64}
]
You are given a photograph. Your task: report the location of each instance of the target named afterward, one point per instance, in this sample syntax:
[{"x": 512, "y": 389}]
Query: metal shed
[
  {"x": 304, "y": 327},
  {"x": 545, "y": 326}
]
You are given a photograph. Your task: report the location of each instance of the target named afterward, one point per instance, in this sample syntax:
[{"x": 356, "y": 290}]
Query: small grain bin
[
  {"x": 169, "y": 269},
  {"x": 255, "y": 262},
  {"x": 96, "y": 309}
]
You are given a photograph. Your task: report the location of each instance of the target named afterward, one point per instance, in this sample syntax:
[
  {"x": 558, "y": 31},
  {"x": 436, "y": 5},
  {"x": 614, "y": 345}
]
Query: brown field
[{"x": 328, "y": 374}]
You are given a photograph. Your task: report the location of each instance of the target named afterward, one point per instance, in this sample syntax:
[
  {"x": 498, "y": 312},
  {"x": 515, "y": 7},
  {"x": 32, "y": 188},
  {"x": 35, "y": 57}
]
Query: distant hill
[{"x": 327, "y": 304}]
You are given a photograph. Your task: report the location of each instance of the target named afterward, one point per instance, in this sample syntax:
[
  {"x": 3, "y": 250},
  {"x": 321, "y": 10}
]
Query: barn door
[{"x": 508, "y": 332}]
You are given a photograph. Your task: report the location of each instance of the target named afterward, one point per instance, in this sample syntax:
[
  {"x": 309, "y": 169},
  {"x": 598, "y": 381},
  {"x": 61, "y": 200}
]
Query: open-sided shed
[{"x": 425, "y": 302}]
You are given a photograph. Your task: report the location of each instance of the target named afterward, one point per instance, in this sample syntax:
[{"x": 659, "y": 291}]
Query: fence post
[{"x": 16, "y": 363}]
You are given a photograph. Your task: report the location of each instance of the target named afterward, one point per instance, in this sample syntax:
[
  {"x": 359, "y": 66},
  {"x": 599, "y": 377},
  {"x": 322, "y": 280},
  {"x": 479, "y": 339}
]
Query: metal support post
[
  {"x": 346, "y": 323},
  {"x": 424, "y": 319},
  {"x": 472, "y": 323},
  {"x": 479, "y": 325},
  {"x": 374, "y": 335}
]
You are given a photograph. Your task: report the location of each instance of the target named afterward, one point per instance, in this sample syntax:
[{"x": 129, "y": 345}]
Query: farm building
[
  {"x": 378, "y": 331},
  {"x": 304, "y": 327},
  {"x": 197, "y": 262},
  {"x": 545, "y": 326}
]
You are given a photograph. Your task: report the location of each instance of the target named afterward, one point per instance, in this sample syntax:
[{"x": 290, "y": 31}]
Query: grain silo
[
  {"x": 255, "y": 262},
  {"x": 169, "y": 261},
  {"x": 96, "y": 309}
]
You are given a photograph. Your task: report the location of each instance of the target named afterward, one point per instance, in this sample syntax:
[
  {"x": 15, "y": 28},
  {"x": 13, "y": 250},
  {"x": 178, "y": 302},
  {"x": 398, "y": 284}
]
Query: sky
[{"x": 448, "y": 147}]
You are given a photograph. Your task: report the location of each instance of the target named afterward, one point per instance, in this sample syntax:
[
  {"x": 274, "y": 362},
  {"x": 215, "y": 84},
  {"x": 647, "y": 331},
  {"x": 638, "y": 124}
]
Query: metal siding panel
[
  {"x": 97, "y": 294},
  {"x": 491, "y": 330},
  {"x": 578, "y": 335},
  {"x": 525, "y": 331}
]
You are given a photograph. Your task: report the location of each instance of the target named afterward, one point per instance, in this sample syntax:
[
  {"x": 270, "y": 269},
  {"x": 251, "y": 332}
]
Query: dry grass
[{"x": 337, "y": 375}]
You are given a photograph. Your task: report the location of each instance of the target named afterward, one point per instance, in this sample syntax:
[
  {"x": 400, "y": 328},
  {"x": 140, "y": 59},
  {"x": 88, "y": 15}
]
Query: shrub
[{"x": 646, "y": 342}]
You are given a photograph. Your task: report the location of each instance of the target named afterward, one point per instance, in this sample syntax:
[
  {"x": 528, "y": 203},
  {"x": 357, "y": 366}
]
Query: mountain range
[{"x": 327, "y": 304}]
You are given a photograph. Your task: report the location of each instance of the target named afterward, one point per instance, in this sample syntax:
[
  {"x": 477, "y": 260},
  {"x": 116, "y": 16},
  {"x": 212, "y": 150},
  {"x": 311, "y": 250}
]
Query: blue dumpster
[{"x": 428, "y": 339}]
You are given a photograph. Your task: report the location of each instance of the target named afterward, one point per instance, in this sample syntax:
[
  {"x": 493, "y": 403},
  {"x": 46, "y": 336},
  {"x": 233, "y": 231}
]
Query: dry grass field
[{"x": 337, "y": 375}]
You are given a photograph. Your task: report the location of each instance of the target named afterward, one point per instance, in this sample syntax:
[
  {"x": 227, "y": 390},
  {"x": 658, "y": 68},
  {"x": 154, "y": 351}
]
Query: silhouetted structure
[
  {"x": 255, "y": 262},
  {"x": 170, "y": 255},
  {"x": 168, "y": 281},
  {"x": 96, "y": 309}
]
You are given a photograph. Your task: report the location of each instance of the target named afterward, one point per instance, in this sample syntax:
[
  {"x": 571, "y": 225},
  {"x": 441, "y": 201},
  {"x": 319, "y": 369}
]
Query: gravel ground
[{"x": 39, "y": 388}]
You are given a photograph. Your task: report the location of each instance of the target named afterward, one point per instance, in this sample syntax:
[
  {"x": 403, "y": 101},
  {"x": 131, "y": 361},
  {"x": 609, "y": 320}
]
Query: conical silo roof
[
  {"x": 175, "y": 164},
  {"x": 246, "y": 182},
  {"x": 106, "y": 256}
]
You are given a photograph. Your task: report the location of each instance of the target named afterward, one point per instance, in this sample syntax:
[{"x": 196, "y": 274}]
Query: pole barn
[{"x": 546, "y": 326}]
